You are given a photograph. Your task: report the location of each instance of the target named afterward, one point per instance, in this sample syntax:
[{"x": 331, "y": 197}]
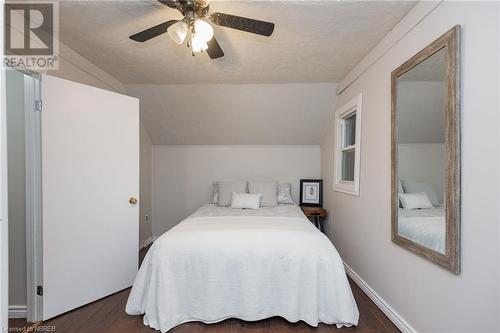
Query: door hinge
[
  {"x": 39, "y": 290},
  {"x": 38, "y": 105}
]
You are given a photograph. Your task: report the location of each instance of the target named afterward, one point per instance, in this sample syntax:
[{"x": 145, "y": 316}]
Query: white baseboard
[
  {"x": 18, "y": 311},
  {"x": 393, "y": 316}
]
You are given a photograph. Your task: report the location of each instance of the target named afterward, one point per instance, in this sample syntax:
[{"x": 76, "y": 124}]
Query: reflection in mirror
[
  {"x": 425, "y": 152},
  {"x": 421, "y": 152}
]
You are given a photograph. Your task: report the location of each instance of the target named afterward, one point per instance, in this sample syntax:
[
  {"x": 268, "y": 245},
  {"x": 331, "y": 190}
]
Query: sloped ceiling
[
  {"x": 235, "y": 114},
  {"x": 187, "y": 100},
  {"x": 420, "y": 104},
  {"x": 421, "y": 112}
]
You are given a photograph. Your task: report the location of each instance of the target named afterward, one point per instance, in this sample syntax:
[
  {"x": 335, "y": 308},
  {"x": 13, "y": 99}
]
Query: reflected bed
[{"x": 423, "y": 226}]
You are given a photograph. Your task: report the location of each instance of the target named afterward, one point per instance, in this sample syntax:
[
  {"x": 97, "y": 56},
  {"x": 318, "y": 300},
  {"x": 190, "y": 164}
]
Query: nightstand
[{"x": 317, "y": 213}]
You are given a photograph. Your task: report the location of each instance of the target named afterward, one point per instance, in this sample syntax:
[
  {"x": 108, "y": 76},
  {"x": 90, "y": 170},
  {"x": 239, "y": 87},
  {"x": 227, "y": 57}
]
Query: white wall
[
  {"x": 423, "y": 162},
  {"x": 430, "y": 298},
  {"x": 145, "y": 186},
  {"x": 183, "y": 175}
]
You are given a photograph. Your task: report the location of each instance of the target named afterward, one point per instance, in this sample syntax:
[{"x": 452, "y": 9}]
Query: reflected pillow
[
  {"x": 415, "y": 201},
  {"x": 418, "y": 187},
  {"x": 285, "y": 194},
  {"x": 400, "y": 191},
  {"x": 215, "y": 193},
  {"x": 246, "y": 200},
  {"x": 400, "y": 187},
  {"x": 226, "y": 189}
]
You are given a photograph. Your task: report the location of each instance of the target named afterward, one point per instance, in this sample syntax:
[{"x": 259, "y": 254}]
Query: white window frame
[{"x": 339, "y": 185}]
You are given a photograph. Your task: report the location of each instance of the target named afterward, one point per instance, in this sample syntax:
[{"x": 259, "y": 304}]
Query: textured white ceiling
[{"x": 314, "y": 41}]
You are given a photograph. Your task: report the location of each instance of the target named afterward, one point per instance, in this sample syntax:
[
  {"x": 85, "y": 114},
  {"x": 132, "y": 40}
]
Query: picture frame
[{"x": 311, "y": 192}]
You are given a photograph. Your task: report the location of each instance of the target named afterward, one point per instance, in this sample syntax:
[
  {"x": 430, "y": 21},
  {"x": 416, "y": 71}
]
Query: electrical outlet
[{"x": 146, "y": 218}]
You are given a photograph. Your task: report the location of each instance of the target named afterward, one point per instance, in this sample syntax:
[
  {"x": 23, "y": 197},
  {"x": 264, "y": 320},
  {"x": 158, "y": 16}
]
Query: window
[{"x": 347, "y": 147}]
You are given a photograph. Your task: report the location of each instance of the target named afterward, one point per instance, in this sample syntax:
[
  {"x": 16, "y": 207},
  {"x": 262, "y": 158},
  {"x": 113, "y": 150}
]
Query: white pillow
[
  {"x": 246, "y": 200},
  {"x": 269, "y": 191},
  {"x": 225, "y": 190},
  {"x": 418, "y": 187},
  {"x": 415, "y": 201},
  {"x": 285, "y": 194}
]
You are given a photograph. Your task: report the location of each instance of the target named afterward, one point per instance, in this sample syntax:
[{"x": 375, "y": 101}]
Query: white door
[
  {"x": 90, "y": 169},
  {"x": 4, "y": 230}
]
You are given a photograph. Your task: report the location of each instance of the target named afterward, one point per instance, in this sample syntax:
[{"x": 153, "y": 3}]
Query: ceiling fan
[{"x": 201, "y": 32}]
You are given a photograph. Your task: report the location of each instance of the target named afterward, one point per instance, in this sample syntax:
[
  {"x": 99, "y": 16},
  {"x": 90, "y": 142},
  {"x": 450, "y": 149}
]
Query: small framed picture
[{"x": 311, "y": 192}]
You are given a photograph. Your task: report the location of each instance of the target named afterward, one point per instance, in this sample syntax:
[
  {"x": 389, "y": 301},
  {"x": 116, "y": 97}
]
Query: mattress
[
  {"x": 221, "y": 263},
  {"x": 423, "y": 226}
]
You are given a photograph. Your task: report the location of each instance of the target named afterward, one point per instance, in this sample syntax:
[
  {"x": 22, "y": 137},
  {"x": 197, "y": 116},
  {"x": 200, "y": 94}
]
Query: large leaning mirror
[{"x": 426, "y": 152}]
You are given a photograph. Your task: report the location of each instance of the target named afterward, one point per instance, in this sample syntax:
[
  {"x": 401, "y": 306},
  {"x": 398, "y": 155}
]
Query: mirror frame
[{"x": 451, "y": 258}]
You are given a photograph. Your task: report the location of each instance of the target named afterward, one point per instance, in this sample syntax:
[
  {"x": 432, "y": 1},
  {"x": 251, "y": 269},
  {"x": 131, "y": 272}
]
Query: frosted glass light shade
[
  {"x": 198, "y": 45},
  {"x": 203, "y": 30},
  {"x": 178, "y": 32}
]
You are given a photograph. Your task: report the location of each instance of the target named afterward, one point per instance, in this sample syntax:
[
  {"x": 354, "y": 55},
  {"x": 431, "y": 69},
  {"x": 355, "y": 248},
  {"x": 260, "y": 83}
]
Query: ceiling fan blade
[
  {"x": 214, "y": 51},
  {"x": 243, "y": 23},
  {"x": 152, "y": 32},
  {"x": 169, "y": 3}
]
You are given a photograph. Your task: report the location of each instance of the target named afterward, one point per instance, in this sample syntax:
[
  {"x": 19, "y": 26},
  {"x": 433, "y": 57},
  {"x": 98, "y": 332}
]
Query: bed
[
  {"x": 423, "y": 226},
  {"x": 224, "y": 263}
]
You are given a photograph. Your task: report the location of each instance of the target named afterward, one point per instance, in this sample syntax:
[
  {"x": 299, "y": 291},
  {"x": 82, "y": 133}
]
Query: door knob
[{"x": 132, "y": 201}]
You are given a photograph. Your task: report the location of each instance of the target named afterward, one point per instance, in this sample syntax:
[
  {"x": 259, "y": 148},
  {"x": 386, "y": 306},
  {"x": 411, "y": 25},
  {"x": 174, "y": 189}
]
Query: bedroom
[{"x": 387, "y": 112}]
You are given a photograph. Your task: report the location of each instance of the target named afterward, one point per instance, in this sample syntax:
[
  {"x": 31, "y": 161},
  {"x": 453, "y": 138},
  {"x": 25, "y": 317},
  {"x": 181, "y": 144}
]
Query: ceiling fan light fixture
[
  {"x": 204, "y": 31},
  {"x": 197, "y": 22},
  {"x": 198, "y": 45},
  {"x": 178, "y": 32},
  {"x": 202, "y": 3}
]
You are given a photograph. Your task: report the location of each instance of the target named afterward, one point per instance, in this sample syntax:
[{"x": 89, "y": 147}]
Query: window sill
[{"x": 352, "y": 190}]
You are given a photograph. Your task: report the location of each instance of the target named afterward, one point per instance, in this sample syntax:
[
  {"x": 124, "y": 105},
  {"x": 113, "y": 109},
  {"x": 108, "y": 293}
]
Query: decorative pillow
[
  {"x": 417, "y": 187},
  {"x": 415, "y": 201},
  {"x": 215, "y": 193},
  {"x": 285, "y": 194},
  {"x": 246, "y": 200},
  {"x": 226, "y": 189},
  {"x": 269, "y": 192}
]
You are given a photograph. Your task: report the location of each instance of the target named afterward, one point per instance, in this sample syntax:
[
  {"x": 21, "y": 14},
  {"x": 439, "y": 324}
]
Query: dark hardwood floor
[
  {"x": 108, "y": 316},
  {"x": 17, "y": 323}
]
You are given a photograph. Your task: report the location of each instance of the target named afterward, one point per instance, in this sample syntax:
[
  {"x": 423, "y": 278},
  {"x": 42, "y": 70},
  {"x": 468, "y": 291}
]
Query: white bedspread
[
  {"x": 210, "y": 268},
  {"x": 423, "y": 226},
  {"x": 277, "y": 211}
]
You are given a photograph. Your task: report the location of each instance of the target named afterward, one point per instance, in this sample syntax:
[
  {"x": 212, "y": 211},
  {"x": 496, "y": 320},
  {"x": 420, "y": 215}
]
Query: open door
[
  {"x": 4, "y": 228},
  {"x": 90, "y": 179}
]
